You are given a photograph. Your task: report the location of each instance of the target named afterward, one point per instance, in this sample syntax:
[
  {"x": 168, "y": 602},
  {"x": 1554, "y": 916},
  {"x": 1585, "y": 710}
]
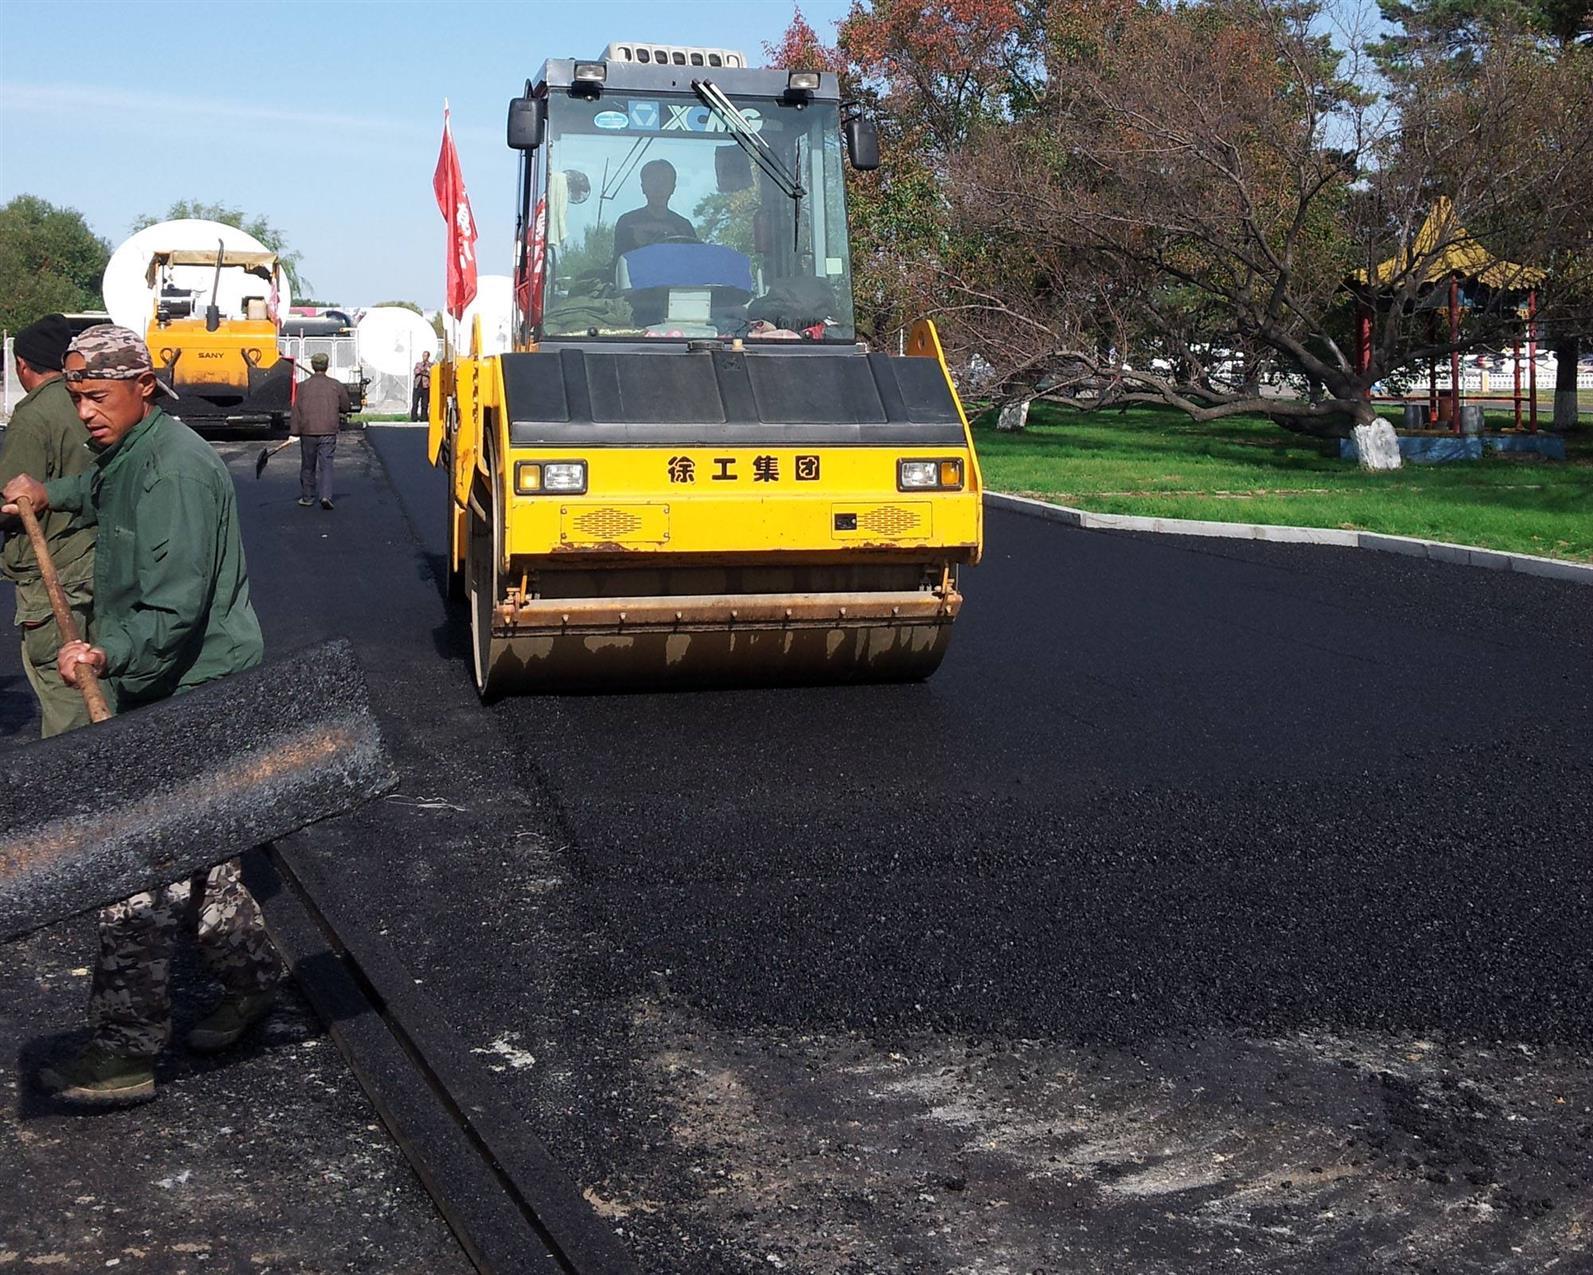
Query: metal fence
[{"x": 10, "y": 391}]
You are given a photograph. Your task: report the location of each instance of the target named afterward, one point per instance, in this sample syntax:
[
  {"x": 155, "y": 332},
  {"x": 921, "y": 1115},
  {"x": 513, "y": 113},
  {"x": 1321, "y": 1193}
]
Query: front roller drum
[{"x": 641, "y": 643}]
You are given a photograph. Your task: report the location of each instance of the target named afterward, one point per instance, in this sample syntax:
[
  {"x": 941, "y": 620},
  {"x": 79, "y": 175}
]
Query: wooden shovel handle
[{"x": 87, "y": 682}]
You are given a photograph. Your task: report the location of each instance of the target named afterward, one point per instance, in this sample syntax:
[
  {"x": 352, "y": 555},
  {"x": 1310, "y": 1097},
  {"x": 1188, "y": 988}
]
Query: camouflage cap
[{"x": 110, "y": 353}]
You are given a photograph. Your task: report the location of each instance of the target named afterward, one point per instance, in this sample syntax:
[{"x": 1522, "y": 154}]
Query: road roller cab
[{"x": 689, "y": 468}]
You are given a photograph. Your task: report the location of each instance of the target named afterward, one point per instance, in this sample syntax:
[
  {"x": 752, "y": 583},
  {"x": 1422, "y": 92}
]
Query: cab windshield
[{"x": 659, "y": 220}]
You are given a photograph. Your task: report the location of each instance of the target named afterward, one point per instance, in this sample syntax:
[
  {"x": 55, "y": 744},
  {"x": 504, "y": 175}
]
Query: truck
[{"x": 689, "y": 469}]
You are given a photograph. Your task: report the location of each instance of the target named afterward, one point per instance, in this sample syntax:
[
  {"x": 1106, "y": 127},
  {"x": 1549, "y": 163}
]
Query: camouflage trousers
[{"x": 130, "y": 1004}]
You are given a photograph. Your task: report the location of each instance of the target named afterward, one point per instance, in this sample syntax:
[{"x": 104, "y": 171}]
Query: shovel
[
  {"x": 88, "y": 683},
  {"x": 266, "y": 453},
  {"x": 152, "y": 797}
]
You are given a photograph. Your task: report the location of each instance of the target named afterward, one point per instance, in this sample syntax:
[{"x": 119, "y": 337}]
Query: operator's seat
[{"x": 683, "y": 281}]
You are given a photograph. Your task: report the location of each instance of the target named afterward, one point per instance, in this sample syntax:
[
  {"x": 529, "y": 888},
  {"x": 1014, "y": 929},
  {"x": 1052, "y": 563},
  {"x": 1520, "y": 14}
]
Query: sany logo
[{"x": 699, "y": 119}]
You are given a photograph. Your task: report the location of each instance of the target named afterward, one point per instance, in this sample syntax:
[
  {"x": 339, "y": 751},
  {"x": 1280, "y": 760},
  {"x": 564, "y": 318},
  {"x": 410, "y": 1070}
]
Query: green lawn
[{"x": 1158, "y": 462}]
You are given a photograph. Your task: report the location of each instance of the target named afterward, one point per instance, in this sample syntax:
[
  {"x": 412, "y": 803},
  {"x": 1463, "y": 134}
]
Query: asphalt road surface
[{"x": 1215, "y": 907}]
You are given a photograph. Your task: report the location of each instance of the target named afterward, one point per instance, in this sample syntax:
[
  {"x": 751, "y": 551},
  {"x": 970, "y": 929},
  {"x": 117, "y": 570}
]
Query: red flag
[
  {"x": 454, "y": 204},
  {"x": 537, "y": 240}
]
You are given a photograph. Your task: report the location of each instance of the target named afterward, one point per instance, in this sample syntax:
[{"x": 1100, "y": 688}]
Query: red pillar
[
  {"x": 1363, "y": 333},
  {"x": 1454, "y": 355},
  {"x": 1532, "y": 358}
]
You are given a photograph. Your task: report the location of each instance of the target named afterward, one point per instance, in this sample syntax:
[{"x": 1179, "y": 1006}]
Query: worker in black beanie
[
  {"x": 43, "y": 344},
  {"x": 46, "y": 439}
]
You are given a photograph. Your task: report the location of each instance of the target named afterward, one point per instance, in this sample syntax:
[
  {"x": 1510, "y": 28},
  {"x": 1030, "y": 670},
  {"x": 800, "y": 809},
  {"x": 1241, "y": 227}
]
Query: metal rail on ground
[{"x": 511, "y": 1206}]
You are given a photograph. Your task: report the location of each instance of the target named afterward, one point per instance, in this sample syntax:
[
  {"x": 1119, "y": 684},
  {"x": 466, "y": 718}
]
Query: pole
[
  {"x": 1532, "y": 358},
  {"x": 1454, "y": 354},
  {"x": 1515, "y": 363},
  {"x": 1432, "y": 373}
]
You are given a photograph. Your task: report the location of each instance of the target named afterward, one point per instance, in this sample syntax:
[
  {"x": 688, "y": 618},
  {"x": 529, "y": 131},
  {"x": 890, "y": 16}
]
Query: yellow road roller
[
  {"x": 688, "y": 469},
  {"x": 225, "y": 367}
]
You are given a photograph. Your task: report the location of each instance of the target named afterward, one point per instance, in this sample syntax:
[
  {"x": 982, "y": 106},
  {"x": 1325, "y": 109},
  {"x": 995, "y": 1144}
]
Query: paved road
[
  {"x": 1332, "y": 804},
  {"x": 1158, "y": 781},
  {"x": 1170, "y": 926}
]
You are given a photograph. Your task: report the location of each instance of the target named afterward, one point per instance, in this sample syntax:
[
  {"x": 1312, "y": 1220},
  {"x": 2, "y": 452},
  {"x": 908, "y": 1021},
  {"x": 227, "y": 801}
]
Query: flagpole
[{"x": 450, "y": 324}]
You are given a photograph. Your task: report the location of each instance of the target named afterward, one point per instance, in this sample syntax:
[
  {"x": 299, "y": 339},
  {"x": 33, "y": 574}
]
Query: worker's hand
[
  {"x": 72, "y": 654},
  {"x": 24, "y": 485}
]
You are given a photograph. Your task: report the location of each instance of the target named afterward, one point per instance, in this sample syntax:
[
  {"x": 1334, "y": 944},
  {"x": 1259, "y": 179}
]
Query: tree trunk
[
  {"x": 1376, "y": 444},
  {"x": 1567, "y": 352}
]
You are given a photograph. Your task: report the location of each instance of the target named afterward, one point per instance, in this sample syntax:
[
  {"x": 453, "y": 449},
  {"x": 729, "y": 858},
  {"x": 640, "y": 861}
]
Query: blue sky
[{"x": 325, "y": 116}]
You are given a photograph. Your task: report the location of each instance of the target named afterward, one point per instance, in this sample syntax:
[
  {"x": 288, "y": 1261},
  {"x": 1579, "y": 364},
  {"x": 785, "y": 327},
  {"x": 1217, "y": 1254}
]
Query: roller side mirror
[
  {"x": 525, "y": 124},
  {"x": 862, "y": 144}
]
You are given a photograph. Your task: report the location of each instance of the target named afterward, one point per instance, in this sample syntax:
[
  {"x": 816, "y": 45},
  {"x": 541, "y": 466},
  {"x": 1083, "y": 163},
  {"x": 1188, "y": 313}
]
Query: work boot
[
  {"x": 230, "y": 1021},
  {"x": 326, "y": 504},
  {"x": 102, "y": 1077},
  {"x": 305, "y": 501}
]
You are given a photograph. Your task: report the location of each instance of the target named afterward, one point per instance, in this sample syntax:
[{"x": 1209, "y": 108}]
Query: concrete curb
[{"x": 1410, "y": 546}]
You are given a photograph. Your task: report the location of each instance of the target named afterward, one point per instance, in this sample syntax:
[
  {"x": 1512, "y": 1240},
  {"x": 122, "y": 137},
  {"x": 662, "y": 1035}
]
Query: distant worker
[
  {"x": 656, "y": 222},
  {"x": 420, "y": 396},
  {"x": 319, "y": 406},
  {"x": 171, "y": 612},
  {"x": 46, "y": 438}
]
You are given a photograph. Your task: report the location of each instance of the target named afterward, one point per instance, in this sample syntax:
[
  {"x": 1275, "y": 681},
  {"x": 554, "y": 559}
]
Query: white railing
[{"x": 1480, "y": 381}]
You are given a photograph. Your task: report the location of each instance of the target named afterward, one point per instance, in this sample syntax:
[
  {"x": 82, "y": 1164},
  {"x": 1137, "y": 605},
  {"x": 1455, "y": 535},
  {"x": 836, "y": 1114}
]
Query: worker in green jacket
[
  {"x": 45, "y": 438},
  {"x": 171, "y": 613}
]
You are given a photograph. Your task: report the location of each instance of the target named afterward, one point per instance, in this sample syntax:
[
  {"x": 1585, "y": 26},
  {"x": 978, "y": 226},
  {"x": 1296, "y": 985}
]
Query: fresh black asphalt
[
  {"x": 1158, "y": 782},
  {"x": 1160, "y": 787}
]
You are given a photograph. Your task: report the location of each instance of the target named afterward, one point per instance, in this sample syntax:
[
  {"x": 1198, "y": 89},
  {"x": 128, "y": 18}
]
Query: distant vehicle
[{"x": 225, "y": 368}]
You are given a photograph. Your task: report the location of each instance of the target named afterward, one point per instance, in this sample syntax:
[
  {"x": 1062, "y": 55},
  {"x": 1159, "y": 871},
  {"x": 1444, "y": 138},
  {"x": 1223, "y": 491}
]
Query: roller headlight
[
  {"x": 929, "y": 475},
  {"x": 565, "y": 476}
]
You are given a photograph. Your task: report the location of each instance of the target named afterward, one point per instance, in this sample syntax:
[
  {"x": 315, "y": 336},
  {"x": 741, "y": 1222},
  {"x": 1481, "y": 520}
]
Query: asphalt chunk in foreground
[{"x": 166, "y": 791}]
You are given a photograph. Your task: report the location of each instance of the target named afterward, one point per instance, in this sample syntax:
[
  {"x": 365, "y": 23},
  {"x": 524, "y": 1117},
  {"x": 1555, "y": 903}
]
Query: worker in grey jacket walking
[{"x": 319, "y": 405}]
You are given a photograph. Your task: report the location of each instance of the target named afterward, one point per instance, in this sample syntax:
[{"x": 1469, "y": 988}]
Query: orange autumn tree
[{"x": 928, "y": 74}]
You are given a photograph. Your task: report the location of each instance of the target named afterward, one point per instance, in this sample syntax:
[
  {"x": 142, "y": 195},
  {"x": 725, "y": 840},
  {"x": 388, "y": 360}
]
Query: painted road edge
[{"x": 1410, "y": 546}]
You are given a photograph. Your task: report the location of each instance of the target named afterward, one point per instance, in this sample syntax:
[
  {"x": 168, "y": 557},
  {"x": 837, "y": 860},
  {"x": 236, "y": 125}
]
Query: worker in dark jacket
[
  {"x": 420, "y": 388},
  {"x": 46, "y": 438},
  {"x": 171, "y": 613},
  {"x": 319, "y": 406}
]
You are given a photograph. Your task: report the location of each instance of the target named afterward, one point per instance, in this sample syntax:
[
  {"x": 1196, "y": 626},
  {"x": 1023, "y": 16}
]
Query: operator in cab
[{"x": 655, "y": 222}]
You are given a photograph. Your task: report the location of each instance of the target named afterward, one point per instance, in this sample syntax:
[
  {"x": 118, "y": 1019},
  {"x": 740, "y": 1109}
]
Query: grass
[{"x": 1156, "y": 461}]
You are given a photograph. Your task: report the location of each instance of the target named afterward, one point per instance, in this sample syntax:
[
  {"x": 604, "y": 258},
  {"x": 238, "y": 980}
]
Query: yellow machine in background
[
  {"x": 226, "y": 369},
  {"x": 690, "y": 471}
]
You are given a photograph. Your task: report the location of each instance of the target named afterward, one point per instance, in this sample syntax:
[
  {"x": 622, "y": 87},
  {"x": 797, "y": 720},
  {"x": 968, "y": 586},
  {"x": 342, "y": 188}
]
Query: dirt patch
[
  {"x": 267, "y": 1158},
  {"x": 1306, "y": 1153}
]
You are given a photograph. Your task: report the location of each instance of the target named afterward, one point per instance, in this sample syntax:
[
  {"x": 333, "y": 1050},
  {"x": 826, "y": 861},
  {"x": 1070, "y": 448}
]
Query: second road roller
[
  {"x": 688, "y": 468},
  {"x": 225, "y": 368}
]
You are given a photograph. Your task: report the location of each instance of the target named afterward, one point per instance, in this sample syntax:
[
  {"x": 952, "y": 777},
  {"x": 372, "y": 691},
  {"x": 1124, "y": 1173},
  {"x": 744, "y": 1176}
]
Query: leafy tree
[
  {"x": 259, "y": 227},
  {"x": 50, "y": 262},
  {"x": 1460, "y": 31}
]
